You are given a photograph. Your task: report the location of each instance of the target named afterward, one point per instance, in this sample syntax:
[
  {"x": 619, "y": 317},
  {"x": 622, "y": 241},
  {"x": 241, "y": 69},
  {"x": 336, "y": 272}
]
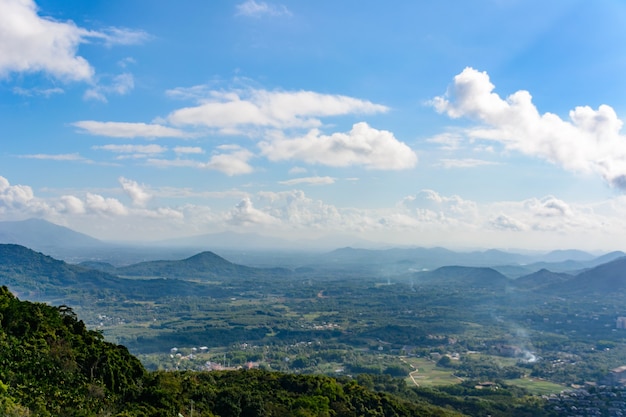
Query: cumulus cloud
[
  {"x": 72, "y": 205},
  {"x": 244, "y": 213},
  {"x": 128, "y": 130},
  {"x": 103, "y": 205},
  {"x": 233, "y": 162},
  {"x": 548, "y": 207},
  {"x": 429, "y": 206},
  {"x": 427, "y": 218},
  {"x": 363, "y": 145},
  {"x": 504, "y": 222},
  {"x": 228, "y": 111},
  {"x": 14, "y": 195},
  {"x": 135, "y": 191},
  {"x": 590, "y": 141},
  {"x": 31, "y": 43},
  {"x": 309, "y": 180},
  {"x": 294, "y": 208},
  {"x": 253, "y": 8}
]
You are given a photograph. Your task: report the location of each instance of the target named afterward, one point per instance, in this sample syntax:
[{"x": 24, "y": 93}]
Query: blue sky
[{"x": 484, "y": 124}]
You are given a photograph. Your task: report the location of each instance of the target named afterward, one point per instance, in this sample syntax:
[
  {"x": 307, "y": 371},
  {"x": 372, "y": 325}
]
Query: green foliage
[{"x": 51, "y": 365}]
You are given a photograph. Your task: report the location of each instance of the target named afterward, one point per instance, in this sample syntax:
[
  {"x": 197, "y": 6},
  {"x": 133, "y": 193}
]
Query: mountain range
[
  {"x": 255, "y": 250},
  {"x": 38, "y": 276}
]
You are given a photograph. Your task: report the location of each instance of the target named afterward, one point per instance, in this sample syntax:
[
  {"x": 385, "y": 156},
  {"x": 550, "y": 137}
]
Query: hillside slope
[{"x": 51, "y": 365}]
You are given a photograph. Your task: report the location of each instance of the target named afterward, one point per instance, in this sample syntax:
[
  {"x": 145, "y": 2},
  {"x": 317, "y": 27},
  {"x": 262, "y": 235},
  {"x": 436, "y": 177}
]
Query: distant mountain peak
[
  {"x": 42, "y": 235},
  {"x": 206, "y": 257}
]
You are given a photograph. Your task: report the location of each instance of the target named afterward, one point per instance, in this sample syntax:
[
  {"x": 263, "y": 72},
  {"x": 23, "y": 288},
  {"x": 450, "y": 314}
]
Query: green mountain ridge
[{"x": 40, "y": 277}]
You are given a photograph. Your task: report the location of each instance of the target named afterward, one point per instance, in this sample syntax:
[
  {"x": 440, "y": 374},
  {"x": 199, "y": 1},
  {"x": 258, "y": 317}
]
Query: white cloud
[
  {"x": 45, "y": 92},
  {"x": 244, "y": 213},
  {"x": 363, "y": 145},
  {"x": 128, "y": 130},
  {"x": 144, "y": 150},
  {"x": 72, "y": 205},
  {"x": 176, "y": 163},
  {"x": 104, "y": 205},
  {"x": 428, "y": 206},
  {"x": 589, "y": 142},
  {"x": 232, "y": 163},
  {"x": 120, "y": 85},
  {"x": 252, "y": 8},
  {"x": 297, "y": 210},
  {"x": 277, "y": 109},
  {"x": 448, "y": 141},
  {"x": 56, "y": 157},
  {"x": 188, "y": 150},
  {"x": 426, "y": 218},
  {"x": 31, "y": 43},
  {"x": 465, "y": 163},
  {"x": 504, "y": 222},
  {"x": 14, "y": 195},
  {"x": 309, "y": 180},
  {"x": 297, "y": 170},
  {"x": 121, "y": 36},
  {"x": 548, "y": 207},
  {"x": 136, "y": 192}
]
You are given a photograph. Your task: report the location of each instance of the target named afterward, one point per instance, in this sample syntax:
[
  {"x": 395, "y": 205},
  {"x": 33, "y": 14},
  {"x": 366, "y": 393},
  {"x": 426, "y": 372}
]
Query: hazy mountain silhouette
[
  {"x": 463, "y": 276},
  {"x": 540, "y": 279},
  {"x": 37, "y": 233},
  {"x": 609, "y": 277},
  {"x": 206, "y": 265}
]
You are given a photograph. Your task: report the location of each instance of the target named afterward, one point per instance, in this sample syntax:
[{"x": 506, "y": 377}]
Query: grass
[
  {"x": 536, "y": 386},
  {"x": 427, "y": 374}
]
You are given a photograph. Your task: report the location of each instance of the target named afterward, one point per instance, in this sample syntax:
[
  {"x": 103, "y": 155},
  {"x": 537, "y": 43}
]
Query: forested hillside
[{"x": 51, "y": 365}]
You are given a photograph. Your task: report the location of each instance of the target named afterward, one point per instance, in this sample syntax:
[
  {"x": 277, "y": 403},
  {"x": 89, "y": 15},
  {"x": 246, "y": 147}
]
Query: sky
[{"x": 483, "y": 124}]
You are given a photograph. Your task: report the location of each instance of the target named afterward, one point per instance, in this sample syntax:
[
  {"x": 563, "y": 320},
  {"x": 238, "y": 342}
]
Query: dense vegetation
[
  {"x": 51, "y": 365},
  {"x": 469, "y": 339}
]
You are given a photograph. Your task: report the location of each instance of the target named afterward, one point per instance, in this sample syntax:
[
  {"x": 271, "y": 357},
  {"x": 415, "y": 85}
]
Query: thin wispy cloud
[
  {"x": 188, "y": 150},
  {"x": 465, "y": 163},
  {"x": 56, "y": 157},
  {"x": 309, "y": 181},
  {"x": 252, "y": 8},
  {"x": 33, "y": 92},
  {"x": 120, "y": 85},
  {"x": 128, "y": 130}
]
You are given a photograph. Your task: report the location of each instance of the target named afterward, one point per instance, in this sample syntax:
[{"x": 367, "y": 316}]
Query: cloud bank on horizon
[{"x": 121, "y": 151}]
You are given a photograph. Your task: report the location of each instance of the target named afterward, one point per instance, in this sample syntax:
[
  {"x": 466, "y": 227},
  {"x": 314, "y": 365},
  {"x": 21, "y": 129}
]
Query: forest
[
  {"x": 52, "y": 365},
  {"x": 158, "y": 337}
]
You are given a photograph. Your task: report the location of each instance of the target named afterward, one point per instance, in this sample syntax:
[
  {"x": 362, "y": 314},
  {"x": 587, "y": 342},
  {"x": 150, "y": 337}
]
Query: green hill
[
  {"x": 52, "y": 365},
  {"x": 36, "y": 276},
  {"x": 203, "y": 266}
]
